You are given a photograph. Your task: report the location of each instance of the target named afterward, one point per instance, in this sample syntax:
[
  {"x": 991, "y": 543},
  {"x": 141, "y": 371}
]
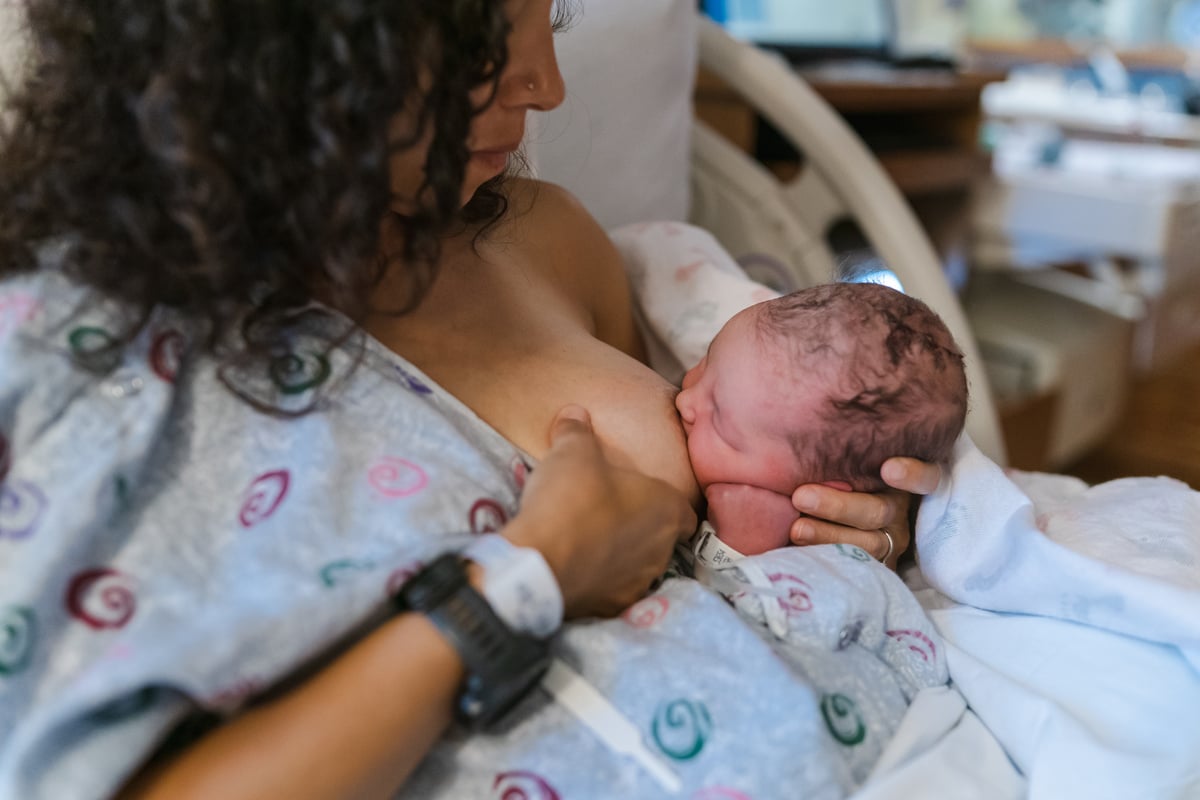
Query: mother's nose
[
  {"x": 545, "y": 85},
  {"x": 532, "y": 77}
]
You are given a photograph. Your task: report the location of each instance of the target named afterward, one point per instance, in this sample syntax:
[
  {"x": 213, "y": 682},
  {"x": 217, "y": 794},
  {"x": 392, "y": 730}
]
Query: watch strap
[{"x": 502, "y": 665}]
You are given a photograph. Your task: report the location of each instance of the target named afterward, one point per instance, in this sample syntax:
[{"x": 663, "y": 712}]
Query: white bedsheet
[{"x": 1072, "y": 626}]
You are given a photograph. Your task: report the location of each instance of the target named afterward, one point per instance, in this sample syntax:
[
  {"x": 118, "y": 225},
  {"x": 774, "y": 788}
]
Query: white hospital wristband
[
  {"x": 518, "y": 585},
  {"x": 711, "y": 551}
]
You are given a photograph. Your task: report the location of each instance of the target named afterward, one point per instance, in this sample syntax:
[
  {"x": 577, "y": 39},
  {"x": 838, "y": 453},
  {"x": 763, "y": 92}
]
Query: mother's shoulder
[{"x": 547, "y": 205}]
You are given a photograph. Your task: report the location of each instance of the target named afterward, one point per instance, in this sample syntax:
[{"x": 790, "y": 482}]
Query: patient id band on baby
[
  {"x": 518, "y": 584},
  {"x": 711, "y": 551},
  {"x": 711, "y": 556}
]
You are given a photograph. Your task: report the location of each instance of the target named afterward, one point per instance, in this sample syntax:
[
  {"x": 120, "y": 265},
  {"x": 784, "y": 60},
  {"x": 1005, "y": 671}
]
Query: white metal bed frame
[{"x": 749, "y": 210}]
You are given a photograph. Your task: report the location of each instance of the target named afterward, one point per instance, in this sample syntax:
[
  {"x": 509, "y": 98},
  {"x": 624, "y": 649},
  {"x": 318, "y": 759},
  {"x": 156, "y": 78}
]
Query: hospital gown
[{"x": 168, "y": 551}]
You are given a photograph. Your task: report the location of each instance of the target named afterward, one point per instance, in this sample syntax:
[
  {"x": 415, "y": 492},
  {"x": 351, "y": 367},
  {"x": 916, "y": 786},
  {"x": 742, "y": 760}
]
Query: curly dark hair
[{"x": 225, "y": 157}]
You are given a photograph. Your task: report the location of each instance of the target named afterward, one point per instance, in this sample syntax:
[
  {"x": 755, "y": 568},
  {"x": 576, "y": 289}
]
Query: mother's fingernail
[
  {"x": 804, "y": 499},
  {"x": 891, "y": 472}
]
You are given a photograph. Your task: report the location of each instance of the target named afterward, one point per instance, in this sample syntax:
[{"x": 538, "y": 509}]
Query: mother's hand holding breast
[{"x": 607, "y": 532}]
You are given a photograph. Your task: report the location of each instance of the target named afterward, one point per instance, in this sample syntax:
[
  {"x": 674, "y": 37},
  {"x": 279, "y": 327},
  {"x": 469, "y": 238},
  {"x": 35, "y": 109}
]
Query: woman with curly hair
[{"x": 277, "y": 333}]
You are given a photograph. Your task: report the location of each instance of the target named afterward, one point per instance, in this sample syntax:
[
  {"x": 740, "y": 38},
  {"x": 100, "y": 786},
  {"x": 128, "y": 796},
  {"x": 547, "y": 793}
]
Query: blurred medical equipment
[{"x": 1104, "y": 177}]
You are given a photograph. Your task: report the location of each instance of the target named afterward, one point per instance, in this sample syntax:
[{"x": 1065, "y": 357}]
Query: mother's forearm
[{"x": 355, "y": 729}]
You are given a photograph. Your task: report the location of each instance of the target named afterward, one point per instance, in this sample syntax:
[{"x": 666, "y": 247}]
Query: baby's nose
[{"x": 685, "y": 406}]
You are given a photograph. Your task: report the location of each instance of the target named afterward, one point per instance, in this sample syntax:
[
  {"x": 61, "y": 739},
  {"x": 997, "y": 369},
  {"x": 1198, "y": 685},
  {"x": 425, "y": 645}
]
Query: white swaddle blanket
[{"x": 1072, "y": 617}]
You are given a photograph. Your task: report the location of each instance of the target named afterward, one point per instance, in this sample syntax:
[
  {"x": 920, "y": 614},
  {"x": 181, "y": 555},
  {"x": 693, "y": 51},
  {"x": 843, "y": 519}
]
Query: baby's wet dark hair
[{"x": 896, "y": 381}]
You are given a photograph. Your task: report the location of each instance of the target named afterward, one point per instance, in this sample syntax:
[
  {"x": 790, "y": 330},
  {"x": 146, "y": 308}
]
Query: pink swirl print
[
  {"x": 166, "y": 353},
  {"x": 522, "y": 785},
  {"x": 520, "y": 472},
  {"x": 684, "y": 273},
  {"x": 15, "y": 310},
  {"x": 918, "y": 642},
  {"x": 21, "y": 508},
  {"x": 101, "y": 598},
  {"x": 720, "y": 793},
  {"x": 647, "y": 612},
  {"x": 798, "y": 599},
  {"x": 396, "y": 477},
  {"x": 487, "y": 516},
  {"x": 263, "y": 496}
]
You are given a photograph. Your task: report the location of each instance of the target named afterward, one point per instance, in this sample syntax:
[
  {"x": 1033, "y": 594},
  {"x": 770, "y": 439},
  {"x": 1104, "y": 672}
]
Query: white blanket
[{"x": 1072, "y": 616}]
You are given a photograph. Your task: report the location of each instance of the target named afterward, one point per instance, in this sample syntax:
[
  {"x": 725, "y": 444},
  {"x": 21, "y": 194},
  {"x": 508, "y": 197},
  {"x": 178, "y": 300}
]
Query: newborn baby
[
  {"x": 819, "y": 386},
  {"x": 823, "y": 385}
]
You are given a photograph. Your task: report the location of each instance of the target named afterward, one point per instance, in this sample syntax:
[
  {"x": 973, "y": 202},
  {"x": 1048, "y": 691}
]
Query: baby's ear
[{"x": 841, "y": 486}]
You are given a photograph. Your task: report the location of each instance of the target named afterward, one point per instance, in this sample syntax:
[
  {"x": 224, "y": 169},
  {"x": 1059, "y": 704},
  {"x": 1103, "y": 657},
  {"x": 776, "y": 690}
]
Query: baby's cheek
[{"x": 700, "y": 454}]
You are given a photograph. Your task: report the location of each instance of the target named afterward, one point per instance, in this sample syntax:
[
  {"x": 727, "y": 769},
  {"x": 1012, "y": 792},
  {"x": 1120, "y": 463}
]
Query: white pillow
[{"x": 620, "y": 140}]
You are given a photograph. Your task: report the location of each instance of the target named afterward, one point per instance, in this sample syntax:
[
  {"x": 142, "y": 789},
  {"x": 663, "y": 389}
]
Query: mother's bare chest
[{"x": 517, "y": 352}]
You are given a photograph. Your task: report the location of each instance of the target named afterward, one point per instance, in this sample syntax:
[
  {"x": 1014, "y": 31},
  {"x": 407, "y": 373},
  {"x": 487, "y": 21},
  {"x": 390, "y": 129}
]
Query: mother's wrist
[{"x": 518, "y": 583}]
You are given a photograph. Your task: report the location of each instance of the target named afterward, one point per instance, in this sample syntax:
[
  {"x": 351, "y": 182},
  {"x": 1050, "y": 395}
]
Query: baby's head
[{"x": 823, "y": 386}]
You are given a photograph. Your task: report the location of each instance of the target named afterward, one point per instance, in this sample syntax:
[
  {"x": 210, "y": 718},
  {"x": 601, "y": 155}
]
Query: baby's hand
[{"x": 749, "y": 519}]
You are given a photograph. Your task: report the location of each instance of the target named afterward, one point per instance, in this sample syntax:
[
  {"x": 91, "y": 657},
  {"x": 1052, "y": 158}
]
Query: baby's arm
[{"x": 749, "y": 519}]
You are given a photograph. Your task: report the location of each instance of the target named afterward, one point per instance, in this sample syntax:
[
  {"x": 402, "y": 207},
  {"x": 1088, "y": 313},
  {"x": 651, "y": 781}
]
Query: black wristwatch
[{"x": 502, "y": 665}]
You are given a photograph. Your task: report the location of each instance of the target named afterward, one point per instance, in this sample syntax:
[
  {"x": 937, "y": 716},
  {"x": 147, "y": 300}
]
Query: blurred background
[{"x": 1051, "y": 149}]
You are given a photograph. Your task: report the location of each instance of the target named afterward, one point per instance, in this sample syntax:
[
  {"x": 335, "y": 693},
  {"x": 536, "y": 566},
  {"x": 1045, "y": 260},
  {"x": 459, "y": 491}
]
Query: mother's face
[{"x": 530, "y": 81}]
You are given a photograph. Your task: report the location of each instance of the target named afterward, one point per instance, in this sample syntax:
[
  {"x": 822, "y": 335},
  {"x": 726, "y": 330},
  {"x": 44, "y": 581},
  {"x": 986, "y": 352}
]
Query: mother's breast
[
  {"x": 632, "y": 407},
  {"x": 634, "y": 416}
]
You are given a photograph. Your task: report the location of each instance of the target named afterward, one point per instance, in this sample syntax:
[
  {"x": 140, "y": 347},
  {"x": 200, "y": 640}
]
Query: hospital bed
[{"x": 1069, "y": 613}]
